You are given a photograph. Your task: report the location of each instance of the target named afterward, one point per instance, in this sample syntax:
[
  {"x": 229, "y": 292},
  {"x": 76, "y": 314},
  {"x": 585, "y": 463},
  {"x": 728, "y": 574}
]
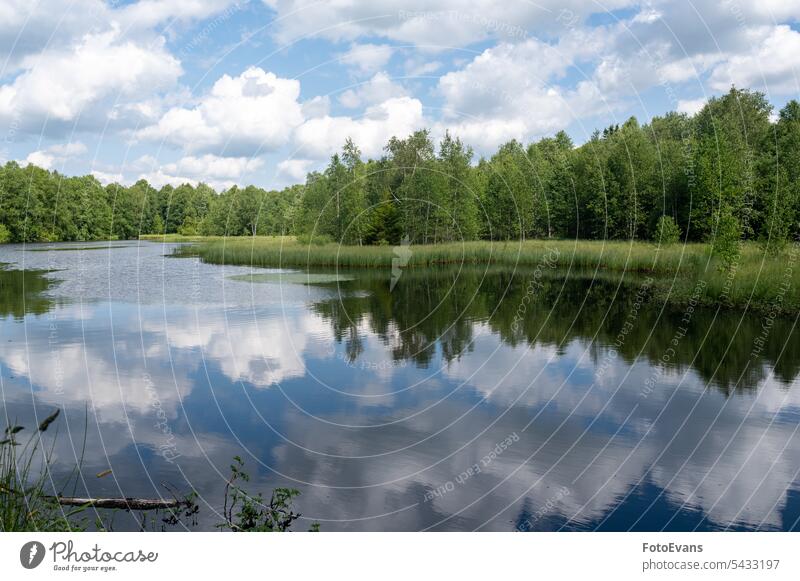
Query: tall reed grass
[
  {"x": 760, "y": 280},
  {"x": 25, "y": 501}
]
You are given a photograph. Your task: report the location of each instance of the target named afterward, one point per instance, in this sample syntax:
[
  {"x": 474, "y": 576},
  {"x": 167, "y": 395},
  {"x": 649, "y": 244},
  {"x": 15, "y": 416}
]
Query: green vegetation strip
[
  {"x": 291, "y": 278},
  {"x": 758, "y": 280}
]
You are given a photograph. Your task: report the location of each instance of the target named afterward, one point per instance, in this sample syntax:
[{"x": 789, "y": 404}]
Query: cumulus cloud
[
  {"x": 378, "y": 89},
  {"x": 449, "y": 24},
  {"x": 218, "y": 172},
  {"x": 254, "y": 111},
  {"x": 294, "y": 169},
  {"x": 214, "y": 166},
  {"x": 316, "y": 107},
  {"x": 88, "y": 64},
  {"x": 55, "y": 154},
  {"x": 318, "y": 138},
  {"x": 149, "y": 13},
  {"x": 61, "y": 86},
  {"x": 719, "y": 43},
  {"x": 106, "y": 178},
  {"x": 773, "y": 64},
  {"x": 91, "y": 66},
  {"x": 508, "y": 92},
  {"x": 691, "y": 106},
  {"x": 367, "y": 58},
  {"x": 28, "y": 28}
]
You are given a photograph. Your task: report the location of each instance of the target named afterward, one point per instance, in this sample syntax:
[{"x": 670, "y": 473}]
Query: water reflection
[
  {"x": 434, "y": 405},
  {"x": 22, "y": 292},
  {"x": 429, "y": 311}
]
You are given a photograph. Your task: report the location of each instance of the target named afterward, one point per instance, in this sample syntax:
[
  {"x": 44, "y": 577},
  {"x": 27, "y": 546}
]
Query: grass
[
  {"x": 287, "y": 252},
  {"x": 174, "y": 238},
  {"x": 291, "y": 278},
  {"x": 25, "y": 504},
  {"x": 755, "y": 282}
]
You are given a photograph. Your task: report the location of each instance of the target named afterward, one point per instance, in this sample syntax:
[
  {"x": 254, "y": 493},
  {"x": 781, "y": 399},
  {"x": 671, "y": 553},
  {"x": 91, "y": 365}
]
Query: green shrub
[
  {"x": 727, "y": 239},
  {"x": 5, "y": 234},
  {"x": 246, "y": 512},
  {"x": 314, "y": 240},
  {"x": 189, "y": 227},
  {"x": 667, "y": 231}
]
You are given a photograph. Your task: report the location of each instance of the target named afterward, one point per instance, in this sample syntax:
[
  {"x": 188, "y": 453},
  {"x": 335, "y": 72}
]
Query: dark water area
[{"x": 437, "y": 399}]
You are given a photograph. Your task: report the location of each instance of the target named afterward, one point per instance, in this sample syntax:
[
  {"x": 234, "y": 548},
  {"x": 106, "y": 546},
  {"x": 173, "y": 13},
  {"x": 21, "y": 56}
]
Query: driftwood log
[{"x": 121, "y": 503}]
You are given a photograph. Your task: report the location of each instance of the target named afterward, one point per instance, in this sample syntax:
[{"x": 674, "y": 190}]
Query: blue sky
[{"x": 227, "y": 91}]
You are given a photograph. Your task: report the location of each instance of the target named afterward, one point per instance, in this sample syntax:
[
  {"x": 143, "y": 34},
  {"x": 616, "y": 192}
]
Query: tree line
[{"x": 730, "y": 172}]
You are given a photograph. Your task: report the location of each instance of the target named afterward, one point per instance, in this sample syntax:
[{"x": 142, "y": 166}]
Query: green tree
[
  {"x": 416, "y": 185},
  {"x": 457, "y": 215},
  {"x": 507, "y": 198},
  {"x": 732, "y": 134}
]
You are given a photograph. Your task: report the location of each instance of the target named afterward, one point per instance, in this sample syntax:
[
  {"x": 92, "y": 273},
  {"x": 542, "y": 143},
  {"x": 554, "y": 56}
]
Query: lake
[{"x": 463, "y": 399}]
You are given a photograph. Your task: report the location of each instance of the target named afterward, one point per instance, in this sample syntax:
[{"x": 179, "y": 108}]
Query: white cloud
[
  {"x": 241, "y": 115},
  {"x": 378, "y": 89},
  {"x": 106, "y": 178},
  {"x": 294, "y": 169},
  {"x": 90, "y": 66},
  {"x": 40, "y": 158},
  {"x": 772, "y": 65},
  {"x": 691, "y": 106},
  {"x": 450, "y": 23},
  {"x": 27, "y": 28},
  {"x": 741, "y": 43},
  {"x": 687, "y": 69},
  {"x": 367, "y": 58},
  {"x": 149, "y": 13},
  {"x": 159, "y": 178},
  {"x": 55, "y": 154},
  {"x": 318, "y": 138},
  {"x": 63, "y": 85},
  {"x": 218, "y": 172},
  {"x": 316, "y": 107},
  {"x": 510, "y": 92},
  {"x": 70, "y": 149},
  {"x": 212, "y": 166},
  {"x": 420, "y": 68}
]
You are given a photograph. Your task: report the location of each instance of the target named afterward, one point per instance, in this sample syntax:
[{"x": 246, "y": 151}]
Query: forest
[{"x": 730, "y": 172}]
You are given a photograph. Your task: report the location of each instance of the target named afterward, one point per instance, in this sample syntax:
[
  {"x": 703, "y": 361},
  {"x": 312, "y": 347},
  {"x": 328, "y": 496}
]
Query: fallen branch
[{"x": 121, "y": 503}]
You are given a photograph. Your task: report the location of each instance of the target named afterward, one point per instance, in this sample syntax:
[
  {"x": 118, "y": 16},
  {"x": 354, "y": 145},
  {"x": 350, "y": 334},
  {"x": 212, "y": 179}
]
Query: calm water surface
[{"x": 459, "y": 400}]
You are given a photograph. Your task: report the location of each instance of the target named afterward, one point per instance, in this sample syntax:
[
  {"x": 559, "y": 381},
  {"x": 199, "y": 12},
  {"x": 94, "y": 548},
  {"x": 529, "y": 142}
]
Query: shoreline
[{"x": 758, "y": 281}]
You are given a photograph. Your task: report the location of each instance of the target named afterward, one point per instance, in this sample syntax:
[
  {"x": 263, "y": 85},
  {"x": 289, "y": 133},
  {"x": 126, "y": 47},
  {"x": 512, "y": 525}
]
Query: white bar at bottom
[{"x": 355, "y": 556}]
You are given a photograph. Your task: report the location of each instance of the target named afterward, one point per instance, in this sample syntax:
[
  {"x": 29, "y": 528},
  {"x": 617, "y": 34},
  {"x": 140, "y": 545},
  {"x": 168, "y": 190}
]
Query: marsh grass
[
  {"x": 291, "y": 278},
  {"x": 286, "y": 251},
  {"x": 759, "y": 280},
  {"x": 25, "y": 504}
]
